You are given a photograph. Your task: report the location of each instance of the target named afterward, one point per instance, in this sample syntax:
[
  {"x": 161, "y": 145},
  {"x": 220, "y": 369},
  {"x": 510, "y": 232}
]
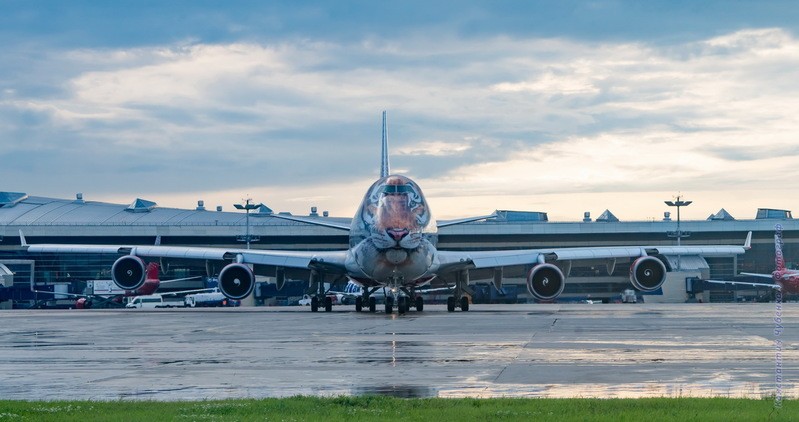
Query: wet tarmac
[{"x": 574, "y": 350}]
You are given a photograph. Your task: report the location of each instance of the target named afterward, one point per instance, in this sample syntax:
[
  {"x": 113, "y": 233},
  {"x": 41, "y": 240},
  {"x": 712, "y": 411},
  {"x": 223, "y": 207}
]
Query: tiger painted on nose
[{"x": 398, "y": 213}]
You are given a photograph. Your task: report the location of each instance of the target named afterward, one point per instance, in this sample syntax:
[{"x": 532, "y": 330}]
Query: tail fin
[
  {"x": 384, "y": 167},
  {"x": 22, "y": 241},
  {"x": 779, "y": 260}
]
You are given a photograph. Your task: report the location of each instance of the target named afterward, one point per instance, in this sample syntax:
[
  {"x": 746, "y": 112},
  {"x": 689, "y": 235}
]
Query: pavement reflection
[{"x": 605, "y": 351}]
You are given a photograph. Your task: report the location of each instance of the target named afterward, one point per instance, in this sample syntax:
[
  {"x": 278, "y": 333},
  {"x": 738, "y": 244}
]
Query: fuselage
[{"x": 393, "y": 236}]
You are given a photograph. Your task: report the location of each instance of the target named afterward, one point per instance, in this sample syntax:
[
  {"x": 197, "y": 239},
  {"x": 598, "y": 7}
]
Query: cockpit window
[{"x": 396, "y": 189}]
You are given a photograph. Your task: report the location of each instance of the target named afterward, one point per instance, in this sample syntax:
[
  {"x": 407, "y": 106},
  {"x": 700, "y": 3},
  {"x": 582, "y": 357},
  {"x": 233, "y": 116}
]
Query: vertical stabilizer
[
  {"x": 384, "y": 167},
  {"x": 779, "y": 260}
]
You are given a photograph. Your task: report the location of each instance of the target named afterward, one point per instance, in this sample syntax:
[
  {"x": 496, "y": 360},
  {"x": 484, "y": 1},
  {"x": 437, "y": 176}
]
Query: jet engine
[
  {"x": 128, "y": 272},
  {"x": 545, "y": 282},
  {"x": 647, "y": 273},
  {"x": 236, "y": 281}
]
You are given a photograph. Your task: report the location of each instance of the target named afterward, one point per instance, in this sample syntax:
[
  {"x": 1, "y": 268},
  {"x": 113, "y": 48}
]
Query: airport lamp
[
  {"x": 679, "y": 235},
  {"x": 247, "y": 207}
]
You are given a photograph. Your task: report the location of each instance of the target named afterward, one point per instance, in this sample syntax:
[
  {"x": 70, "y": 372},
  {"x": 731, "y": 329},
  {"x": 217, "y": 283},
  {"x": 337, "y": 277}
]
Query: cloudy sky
[{"x": 557, "y": 106}]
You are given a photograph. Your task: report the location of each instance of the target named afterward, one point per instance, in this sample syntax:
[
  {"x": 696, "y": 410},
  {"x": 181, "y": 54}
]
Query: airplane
[
  {"x": 784, "y": 279},
  {"x": 151, "y": 283},
  {"x": 393, "y": 244}
]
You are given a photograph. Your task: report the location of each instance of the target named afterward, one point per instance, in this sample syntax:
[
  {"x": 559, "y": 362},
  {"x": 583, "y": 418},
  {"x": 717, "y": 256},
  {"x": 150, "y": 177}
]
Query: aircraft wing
[
  {"x": 453, "y": 260},
  {"x": 288, "y": 259},
  {"x": 770, "y": 285}
]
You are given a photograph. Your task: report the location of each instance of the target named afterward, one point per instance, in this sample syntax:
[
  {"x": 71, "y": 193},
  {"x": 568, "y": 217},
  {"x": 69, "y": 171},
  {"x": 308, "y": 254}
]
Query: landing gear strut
[
  {"x": 461, "y": 297},
  {"x": 320, "y": 297}
]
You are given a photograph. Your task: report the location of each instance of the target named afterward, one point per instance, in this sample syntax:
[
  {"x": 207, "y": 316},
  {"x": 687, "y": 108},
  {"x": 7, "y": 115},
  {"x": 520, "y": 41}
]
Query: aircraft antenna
[{"x": 384, "y": 167}]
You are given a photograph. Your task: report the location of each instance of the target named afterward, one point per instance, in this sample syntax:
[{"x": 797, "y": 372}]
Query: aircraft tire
[
  {"x": 419, "y": 304},
  {"x": 464, "y": 304},
  {"x": 402, "y": 304},
  {"x": 372, "y": 305},
  {"x": 451, "y": 304},
  {"x": 328, "y": 304},
  {"x": 389, "y": 305},
  {"x": 358, "y": 304},
  {"x": 314, "y": 304}
]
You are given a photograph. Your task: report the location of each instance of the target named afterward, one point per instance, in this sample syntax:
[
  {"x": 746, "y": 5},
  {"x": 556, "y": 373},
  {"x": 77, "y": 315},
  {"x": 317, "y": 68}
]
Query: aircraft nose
[{"x": 397, "y": 234}]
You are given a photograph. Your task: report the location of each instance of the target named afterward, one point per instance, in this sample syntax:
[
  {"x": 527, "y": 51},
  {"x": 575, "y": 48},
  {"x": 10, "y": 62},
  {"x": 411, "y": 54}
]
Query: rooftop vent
[
  {"x": 607, "y": 217},
  {"x": 200, "y": 205},
  {"x": 325, "y": 213},
  {"x": 141, "y": 205},
  {"x": 9, "y": 199},
  {"x": 219, "y": 208},
  {"x": 313, "y": 213},
  {"x": 586, "y": 217},
  {"x": 78, "y": 199},
  {"x": 667, "y": 216}
]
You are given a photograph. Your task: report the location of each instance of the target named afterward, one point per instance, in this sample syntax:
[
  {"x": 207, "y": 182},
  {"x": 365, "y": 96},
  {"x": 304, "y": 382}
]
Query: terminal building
[{"x": 142, "y": 222}]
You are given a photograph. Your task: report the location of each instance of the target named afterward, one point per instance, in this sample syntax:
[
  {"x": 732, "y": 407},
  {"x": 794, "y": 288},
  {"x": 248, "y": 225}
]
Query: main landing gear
[
  {"x": 361, "y": 301},
  {"x": 403, "y": 302},
  {"x": 327, "y": 302},
  {"x": 461, "y": 297},
  {"x": 453, "y": 302},
  {"x": 321, "y": 298},
  {"x": 366, "y": 300}
]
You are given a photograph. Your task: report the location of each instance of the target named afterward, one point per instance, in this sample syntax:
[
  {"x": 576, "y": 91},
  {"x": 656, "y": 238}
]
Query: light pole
[
  {"x": 247, "y": 207},
  {"x": 679, "y": 234}
]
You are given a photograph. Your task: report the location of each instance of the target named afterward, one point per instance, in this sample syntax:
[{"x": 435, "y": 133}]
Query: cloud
[
  {"x": 433, "y": 148},
  {"x": 530, "y": 117}
]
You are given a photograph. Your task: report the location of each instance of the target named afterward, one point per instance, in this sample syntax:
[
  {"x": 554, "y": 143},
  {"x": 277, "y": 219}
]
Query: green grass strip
[{"x": 379, "y": 408}]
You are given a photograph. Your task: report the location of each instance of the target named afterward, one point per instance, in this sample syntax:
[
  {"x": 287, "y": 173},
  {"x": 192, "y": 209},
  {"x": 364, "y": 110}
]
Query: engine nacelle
[
  {"x": 545, "y": 282},
  {"x": 647, "y": 273},
  {"x": 128, "y": 272},
  {"x": 236, "y": 281}
]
